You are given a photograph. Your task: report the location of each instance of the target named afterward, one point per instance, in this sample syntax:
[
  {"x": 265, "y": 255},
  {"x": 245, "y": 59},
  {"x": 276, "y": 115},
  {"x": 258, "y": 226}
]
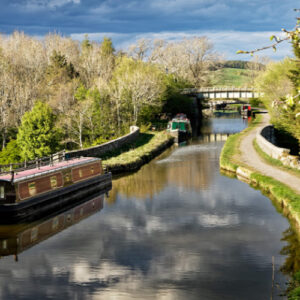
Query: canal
[{"x": 176, "y": 229}]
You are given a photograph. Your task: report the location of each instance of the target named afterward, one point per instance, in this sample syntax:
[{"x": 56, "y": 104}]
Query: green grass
[
  {"x": 232, "y": 77},
  {"x": 142, "y": 140},
  {"x": 144, "y": 146},
  {"x": 280, "y": 191},
  {"x": 230, "y": 152},
  {"x": 274, "y": 162},
  {"x": 294, "y": 287},
  {"x": 227, "y": 161}
]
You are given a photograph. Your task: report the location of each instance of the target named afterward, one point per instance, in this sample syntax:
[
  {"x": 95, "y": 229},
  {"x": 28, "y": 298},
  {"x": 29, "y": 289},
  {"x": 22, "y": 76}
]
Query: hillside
[{"x": 232, "y": 77}]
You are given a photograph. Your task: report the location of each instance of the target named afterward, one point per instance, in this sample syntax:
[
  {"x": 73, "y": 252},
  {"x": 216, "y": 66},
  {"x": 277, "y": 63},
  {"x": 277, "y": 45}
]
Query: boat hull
[
  {"x": 43, "y": 204},
  {"x": 180, "y": 136}
]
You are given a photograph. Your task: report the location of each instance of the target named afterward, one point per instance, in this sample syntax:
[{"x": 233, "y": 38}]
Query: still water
[{"x": 176, "y": 229}]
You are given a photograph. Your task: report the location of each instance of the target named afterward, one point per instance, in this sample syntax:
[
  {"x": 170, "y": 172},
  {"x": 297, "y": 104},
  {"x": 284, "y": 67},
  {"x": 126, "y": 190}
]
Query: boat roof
[
  {"x": 43, "y": 170},
  {"x": 180, "y": 118}
]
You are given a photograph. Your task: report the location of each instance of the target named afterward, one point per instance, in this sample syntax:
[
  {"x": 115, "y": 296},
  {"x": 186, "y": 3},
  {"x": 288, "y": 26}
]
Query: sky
[{"x": 230, "y": 24}]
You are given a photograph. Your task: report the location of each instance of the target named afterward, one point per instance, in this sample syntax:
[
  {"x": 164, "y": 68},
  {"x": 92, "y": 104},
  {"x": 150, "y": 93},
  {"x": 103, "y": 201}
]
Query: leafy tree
[
  {"x": 135, "y": 85},
  {"x": 285, "y": 109},
  {"x": 175, "y": 101},
  {"x": 37, "y": 135},
  {"x": 59, "y": 69},
  {"x": 11, "y": 153}
]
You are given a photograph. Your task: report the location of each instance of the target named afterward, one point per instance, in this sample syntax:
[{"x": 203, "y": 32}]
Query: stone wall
[
  {"x": 265, "y": 139},
  {"x": 99, "y": 150}
]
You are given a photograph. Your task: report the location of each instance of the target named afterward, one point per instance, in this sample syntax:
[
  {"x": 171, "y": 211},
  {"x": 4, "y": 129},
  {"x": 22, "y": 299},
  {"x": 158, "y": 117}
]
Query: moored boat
[
  {"x": 246, "y": 110},
  {"x": 28, "y": 192},
  {"x": 180, "y": 128},
  {"x": 16, "y": 238}
]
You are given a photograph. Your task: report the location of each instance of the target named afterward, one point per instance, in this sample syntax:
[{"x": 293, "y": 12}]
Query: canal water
[{"x": 176, "y": 229}]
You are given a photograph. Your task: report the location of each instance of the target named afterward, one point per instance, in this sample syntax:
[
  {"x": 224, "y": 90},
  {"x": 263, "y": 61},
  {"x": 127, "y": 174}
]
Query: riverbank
[
  {"x": 242, "y": 156},
  {"x": 141, "y": 153},
  {"x": 239, "y": 156}
]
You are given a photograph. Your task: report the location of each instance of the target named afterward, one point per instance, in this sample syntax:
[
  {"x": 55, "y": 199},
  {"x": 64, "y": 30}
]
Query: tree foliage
[
  {"x": 88, "y": 90},
  {"x": 37, "y": 135},
  {"x": 281, "y": 85}
]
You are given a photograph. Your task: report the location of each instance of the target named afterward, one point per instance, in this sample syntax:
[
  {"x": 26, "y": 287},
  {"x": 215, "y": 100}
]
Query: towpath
[{"x": 251, "y": 158}]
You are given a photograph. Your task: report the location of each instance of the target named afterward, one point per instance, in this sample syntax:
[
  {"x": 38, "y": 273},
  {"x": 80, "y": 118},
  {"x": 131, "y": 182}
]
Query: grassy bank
[
  {"x": 274, "y": 162},
  {"x": 285, "y": 197},
  {"x": 147, "y": 146},
  {"x": 229, "y": 156},
  {"x": 229, "y": 161}
]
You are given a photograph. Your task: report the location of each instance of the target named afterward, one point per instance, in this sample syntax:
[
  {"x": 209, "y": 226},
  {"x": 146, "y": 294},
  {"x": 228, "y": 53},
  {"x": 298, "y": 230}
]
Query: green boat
[{"x": 180, "y": 128}]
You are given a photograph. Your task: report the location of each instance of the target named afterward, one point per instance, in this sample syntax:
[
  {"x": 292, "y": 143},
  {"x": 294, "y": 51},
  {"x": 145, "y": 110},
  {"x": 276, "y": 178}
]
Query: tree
[
  {"x": 136, "y": 84},
  {"x": 37, "y": 135},
  {"x": 286, "y": 108},
  {"x": 11, "y": 153},
  {"x": 140, "y": 50},
  {"x": 190, "y": 59}
]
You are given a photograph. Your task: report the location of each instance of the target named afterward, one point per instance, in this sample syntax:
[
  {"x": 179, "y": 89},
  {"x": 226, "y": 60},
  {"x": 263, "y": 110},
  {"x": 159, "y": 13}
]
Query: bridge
[{"x": 211, "y": 93}]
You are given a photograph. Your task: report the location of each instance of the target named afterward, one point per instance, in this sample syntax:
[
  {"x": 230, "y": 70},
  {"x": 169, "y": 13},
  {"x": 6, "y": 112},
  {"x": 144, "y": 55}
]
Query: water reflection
[
  {"x": 187, "y": 167},
  {"x": 291, "y": 251},
  {"x": 14, "y": 239},
  {"x": 176, "y": 229}
]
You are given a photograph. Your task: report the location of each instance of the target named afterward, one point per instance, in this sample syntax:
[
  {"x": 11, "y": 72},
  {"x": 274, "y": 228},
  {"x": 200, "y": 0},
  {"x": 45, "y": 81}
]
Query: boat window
[
  {"x": 80, "y": 173},
  {"x": 92, "y": 170},
  {"x": 67, "y": 177},
  {"x": 32, "y": 188},
  {"x": 2, "y": 192},
  {"x": 4, "y": 244},
  {"x": 34, "y": 234},
  {"x": 174, "y": 125},
  {"x": 53, "y": 181},
  {"x": 182, "y": 125},
  {"x": 55, "y": 223}
]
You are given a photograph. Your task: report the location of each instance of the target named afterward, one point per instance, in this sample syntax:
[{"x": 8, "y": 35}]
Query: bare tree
[{"x": 190, "y": 59}]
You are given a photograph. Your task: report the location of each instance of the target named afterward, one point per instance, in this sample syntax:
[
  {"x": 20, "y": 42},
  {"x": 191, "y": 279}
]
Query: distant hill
[
  {"x": 239, "y": 64},
  {"x": 236, "y": 77}
]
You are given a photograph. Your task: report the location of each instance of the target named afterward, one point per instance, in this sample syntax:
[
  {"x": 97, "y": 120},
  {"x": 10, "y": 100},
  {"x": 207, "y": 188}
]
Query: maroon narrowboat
[
  {"x": 15, "y": 239},
  {"x": 34, "y": 191}
]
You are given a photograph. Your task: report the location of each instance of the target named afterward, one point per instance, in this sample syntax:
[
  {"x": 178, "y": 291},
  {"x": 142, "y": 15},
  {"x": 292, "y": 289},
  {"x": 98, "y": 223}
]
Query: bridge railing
[{"x": 217, "y": 89}]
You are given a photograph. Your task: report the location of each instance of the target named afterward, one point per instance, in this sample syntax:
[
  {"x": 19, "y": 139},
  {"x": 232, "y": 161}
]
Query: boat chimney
[{"x": 12, "y": 172}]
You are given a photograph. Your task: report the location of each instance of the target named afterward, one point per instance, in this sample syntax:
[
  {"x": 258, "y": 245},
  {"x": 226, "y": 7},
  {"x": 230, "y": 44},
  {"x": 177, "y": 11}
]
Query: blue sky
[{"x": 230, "y": 24}]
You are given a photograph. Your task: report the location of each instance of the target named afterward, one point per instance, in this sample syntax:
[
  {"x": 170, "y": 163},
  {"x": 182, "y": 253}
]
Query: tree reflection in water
[
  {"x": 292, "y": 251},
  {"x": 291, "y": 264},
  {"x": 188, "y": 167}
]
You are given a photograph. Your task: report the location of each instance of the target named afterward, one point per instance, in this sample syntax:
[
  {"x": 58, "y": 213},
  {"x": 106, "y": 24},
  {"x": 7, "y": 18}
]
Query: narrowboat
[
  {"x": 180, "y": 128},
  {"x": 246, "y": 110},
  {"x": 15, "y": 239},
  {"x": 32, "y": 192}
]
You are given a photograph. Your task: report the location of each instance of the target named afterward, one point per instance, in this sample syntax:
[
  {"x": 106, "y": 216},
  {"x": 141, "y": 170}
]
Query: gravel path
[{"x": 250, "y": 157}]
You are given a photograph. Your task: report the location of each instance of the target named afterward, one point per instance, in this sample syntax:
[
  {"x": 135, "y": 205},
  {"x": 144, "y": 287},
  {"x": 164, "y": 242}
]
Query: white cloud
[{"x": 34, "y": 5}]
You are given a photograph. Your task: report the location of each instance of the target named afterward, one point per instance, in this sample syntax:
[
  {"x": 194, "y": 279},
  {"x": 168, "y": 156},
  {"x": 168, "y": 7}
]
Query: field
[{"x": 232, "y": 77}]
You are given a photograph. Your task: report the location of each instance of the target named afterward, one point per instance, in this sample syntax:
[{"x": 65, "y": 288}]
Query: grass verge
[
  {"x": 274, "y": 162},
  {"x": 140, "y": 153},
  {"x": 229, "y": 156}
]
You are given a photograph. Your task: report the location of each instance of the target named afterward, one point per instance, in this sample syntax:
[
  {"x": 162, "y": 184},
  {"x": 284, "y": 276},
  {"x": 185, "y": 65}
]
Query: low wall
[
  {"x": 265, "y": 140},
  {"x": 99, "y": 150}
]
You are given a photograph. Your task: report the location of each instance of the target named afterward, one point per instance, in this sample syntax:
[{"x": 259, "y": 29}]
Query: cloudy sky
[{"x": 230, "y": 24}]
